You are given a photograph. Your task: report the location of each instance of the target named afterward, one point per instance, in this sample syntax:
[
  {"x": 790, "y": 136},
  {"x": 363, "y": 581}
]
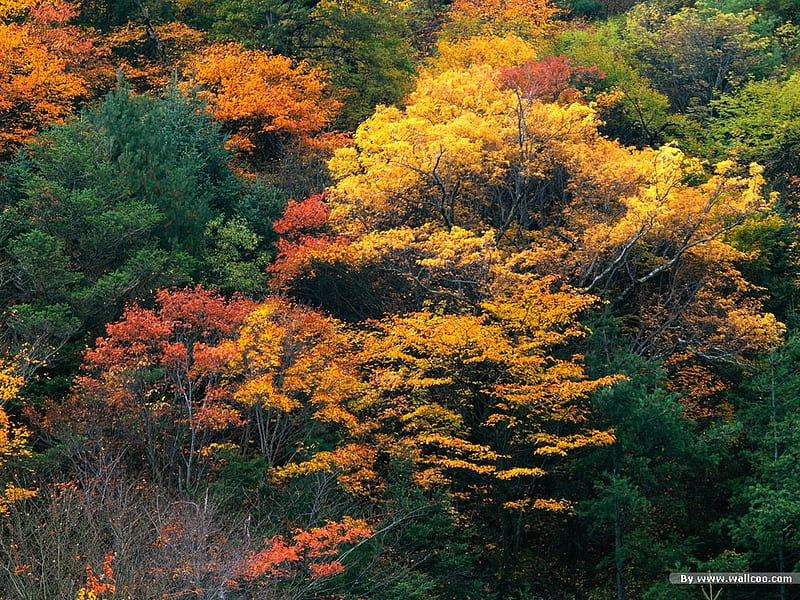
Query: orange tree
[
  {"x": 185, "y": 382},
  {"x": 46, "y": 67},
  {"x": 453, "y": 213},
  {"x": 485, "y": 402},
  {"x": 266, "y": 100}
]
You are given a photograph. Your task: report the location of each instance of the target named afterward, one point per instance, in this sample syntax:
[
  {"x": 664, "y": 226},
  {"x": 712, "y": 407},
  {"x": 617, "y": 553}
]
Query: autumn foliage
[
  {"x": 13, "y": 440},
  {"x": 266, "y": 100},
  {"x": 100, "y": 586},
  {"x": 486, "y": 394},
  {"x": 156, "y": 377},
  {"x": 304, "y": 235},
  {"x": 148, "y": 57},
  {"x": 551, "y": 79},
  {"x": 291, "y": 376},
  {"x": 469, "y": 152},
  {"x": 396, "y": 299},
  {"x": 308, "y": 555},
  {"x": 46, "y": 66},
  {"x": 532, "y": 18}
]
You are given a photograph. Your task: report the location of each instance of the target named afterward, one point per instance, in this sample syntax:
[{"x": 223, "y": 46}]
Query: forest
[{"x": 398, "y": 299}]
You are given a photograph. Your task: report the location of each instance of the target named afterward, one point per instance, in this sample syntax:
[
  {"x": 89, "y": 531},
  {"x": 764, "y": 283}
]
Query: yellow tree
[
  {"x": 291, "y": 376},
  {"x": 477, "y": 150},
  {"x": 420, "y": 164},
  {"x": 499, "y": 51},
  {"x": 467, "y": 151},
  {"x": 13, "y": 439},
  {"x": 395, "y": 270},
  {"x": 652, "y": 235},
  {"x": 490, "y": 401},
  {"x": 531, "y": 18}
]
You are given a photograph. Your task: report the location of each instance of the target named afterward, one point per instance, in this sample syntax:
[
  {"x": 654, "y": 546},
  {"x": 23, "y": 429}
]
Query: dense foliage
[{"x": 381, "y": 299}]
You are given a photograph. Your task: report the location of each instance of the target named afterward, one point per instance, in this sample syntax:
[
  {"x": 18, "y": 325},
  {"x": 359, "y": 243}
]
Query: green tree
[
  {"x": 696, "y": 54},
  {"x": 649, "y": 494},
  {"x": 769, "y": 496},
  {"x": 102, "y": 210},
  {"x": 760, "y": 122},
  {"x": 365, "y": 46},
  {"x": 642, "y": 114}
]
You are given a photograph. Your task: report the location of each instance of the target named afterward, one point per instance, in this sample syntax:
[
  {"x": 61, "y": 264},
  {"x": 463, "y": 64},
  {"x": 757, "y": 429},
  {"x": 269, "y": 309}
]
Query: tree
[
  {"x": 685, "y": 225},
  {"x": 758, "y": 123},
  {"x": 532, "y": 19},
  {"x": 177, "y": 381},
  {"x": 497, "y": 51},
  {"x": 303, "y": 231},
  {"x": 108, "y": 531},
  {"x": 164, "y": 152},
  {"x": 148, "y": 54},
  {"x": 107, "y": 15},
  {"x": 302, "y": 563},
  {"x": 13, "y": 441},
  {"x": 365, "y": 46},
  {"x": 101, "y": 211},
  {"x": 474, "y": 152},
  {"x": 388, "y": 272},
  {"x": 155, "y": 379},
  {"x": 264, "y": 99},
  {"x": 236, "y": 260},
  {"x": 291, "y": 379},
  {"x": 696, "y": 54},
  {"x": 270, "y": 24},
  {"x": 47, "y": 68},
  {"x": 486, "y": 403},
  {"x": 551, "y": 79},
  {"x": 317, "y": 266},
  {"x": 767, "y": 497},
  {"x": 101, "y": 586},
  {"x": 645, "y": 496},
  {"x": 641, "y": 116},
  {"x": 460, "y": 154}
]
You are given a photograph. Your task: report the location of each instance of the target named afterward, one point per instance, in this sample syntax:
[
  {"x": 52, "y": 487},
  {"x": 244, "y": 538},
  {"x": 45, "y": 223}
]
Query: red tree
[
  {"x": 551, "y": 79},
  {"x": 305, "y": 560},
  {"x": 153, "y": 383}
]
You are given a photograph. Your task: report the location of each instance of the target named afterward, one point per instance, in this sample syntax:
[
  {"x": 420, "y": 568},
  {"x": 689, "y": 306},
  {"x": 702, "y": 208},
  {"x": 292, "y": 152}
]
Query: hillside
[{"x": 398, "y": 299}]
